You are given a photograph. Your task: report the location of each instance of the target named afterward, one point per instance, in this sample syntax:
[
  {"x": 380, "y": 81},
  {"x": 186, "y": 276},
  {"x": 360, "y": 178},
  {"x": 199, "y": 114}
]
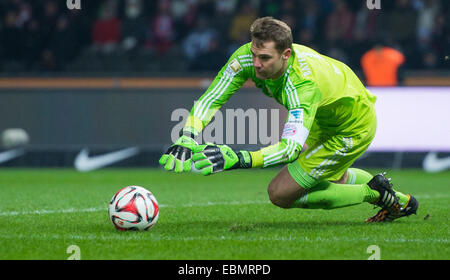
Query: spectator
[
  {"x": 198, "y": 41},
  {"x": 210, "y": 60},
  {"x": 366, "y": 23},
  {"x": 81, "y": 22},
  {"x": 225, "y": 6},
  {"x": 49, "y": 19},
  {"x": 134, "y": 25},
  {"x": 28, "y": 27},
  {"x": 222, "y": 18},
  {"x": 24, "y": 14},
  {"x": 240, "y": 24},
  {"x": 188, "y": 20},
  {"x": 106, "y": 31},
  {"x": 401, "y": 24},
  {"x": 339, "y": 31},
  {"x": 380, "y": 66},
  {"x": 339, "y": 26},
  {"x": 425, "y": 24},
  {"x": 365, "y": 33},
  {"x": 179, "y": 9},
  {"x": 310, "y": 18},
  {"x": 163, "y": 28},
  {"x": 308, "y": 25}
]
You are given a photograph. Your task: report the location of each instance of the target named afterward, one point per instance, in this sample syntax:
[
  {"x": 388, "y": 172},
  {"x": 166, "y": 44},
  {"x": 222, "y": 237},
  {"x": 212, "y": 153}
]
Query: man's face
[{"x": 268, "y": 62}]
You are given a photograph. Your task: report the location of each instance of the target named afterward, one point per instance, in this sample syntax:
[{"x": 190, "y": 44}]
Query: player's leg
[
  {"x": 285, "y": 192},
  {"x": 324, "y": 194},
  {"x": 360, "y": 176},
  {"x": 329, "y": 195},
  {"x": 357, "y": 176},
  {"x": 306, "y": 182},
  {"x": 304, "y": 192},
  {"x": 328, "y": 162}
]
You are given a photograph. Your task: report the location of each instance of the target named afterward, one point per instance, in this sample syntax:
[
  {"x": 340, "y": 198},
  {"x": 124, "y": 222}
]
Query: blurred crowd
[{"x": 44, "y": 35}]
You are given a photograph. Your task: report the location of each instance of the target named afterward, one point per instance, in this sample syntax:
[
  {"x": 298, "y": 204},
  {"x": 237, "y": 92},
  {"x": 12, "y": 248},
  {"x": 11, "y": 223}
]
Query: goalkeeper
[{"x": 331, "y": 121}]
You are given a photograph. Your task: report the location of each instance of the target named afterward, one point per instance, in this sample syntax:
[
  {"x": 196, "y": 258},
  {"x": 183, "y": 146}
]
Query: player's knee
[{"x": 276, "y": 196}]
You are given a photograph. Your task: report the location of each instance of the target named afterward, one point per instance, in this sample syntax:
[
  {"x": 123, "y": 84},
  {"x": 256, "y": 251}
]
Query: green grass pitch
[{"x": 223, "y": 216}]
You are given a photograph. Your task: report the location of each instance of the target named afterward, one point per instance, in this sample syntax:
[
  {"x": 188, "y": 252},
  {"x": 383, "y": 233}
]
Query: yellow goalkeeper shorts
[{"x": 329, "y": 156}]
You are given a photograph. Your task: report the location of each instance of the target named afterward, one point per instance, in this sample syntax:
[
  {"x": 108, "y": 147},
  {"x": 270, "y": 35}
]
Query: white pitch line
[
  {"x": 44, "y": 211},
  {"x": 435, "y": 196},
  {"x": 98, "y": 209},
  {"x": 204, "y": 204}
]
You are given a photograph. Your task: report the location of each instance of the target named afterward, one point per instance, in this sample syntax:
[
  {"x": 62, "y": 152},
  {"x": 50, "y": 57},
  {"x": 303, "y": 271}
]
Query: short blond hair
[{"x": 269, "y": 29}]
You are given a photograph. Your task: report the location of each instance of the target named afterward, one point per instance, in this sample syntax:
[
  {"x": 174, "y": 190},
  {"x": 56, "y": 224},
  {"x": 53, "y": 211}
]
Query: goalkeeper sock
[
  {"x": 359, "y": 176},
  {"x": 327, "y": 195}
]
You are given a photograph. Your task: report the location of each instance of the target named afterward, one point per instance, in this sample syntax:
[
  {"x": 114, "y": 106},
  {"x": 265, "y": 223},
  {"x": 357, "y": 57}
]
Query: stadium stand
[{"x": 167, "y": 36}]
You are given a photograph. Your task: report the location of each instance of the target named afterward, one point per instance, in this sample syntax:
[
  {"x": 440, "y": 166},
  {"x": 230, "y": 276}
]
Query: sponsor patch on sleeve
[
  {"x": 289, "y": 130},
  {"x": 234, "y": 66},
  {"x": 294, "y": 129},
  {"x": 296, "y": 116}
]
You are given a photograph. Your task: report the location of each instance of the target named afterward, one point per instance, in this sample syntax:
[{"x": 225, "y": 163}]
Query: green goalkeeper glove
[
  {"x": 179, "y": 155},
  {"x": 211, "y": 158}
]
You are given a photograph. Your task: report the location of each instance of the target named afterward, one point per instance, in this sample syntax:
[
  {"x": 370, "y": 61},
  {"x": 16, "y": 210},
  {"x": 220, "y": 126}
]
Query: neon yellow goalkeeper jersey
[{"x": 316, "y": 85}]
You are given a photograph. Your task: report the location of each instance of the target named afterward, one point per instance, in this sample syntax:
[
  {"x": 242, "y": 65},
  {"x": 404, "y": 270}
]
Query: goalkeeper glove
[
  {"x": 212, "y": 158},
  {"x": 179, "y": 155}
]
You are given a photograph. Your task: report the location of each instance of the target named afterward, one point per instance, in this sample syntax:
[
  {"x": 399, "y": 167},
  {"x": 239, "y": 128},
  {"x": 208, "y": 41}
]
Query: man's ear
[{"x": 287, "y": 53}]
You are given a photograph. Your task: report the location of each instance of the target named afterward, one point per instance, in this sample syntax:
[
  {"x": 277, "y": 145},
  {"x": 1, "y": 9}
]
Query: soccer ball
[
  {"x": 14, "y": 137},
  {"x": 133, "y": 208}
]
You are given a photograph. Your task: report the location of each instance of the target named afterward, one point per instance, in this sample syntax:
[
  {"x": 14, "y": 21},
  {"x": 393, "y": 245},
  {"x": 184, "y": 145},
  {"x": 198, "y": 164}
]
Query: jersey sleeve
[
  {"x": 296, "y": 129},
  {"x": 229, "y": 79},
  {"x": 309, "y": 95}
]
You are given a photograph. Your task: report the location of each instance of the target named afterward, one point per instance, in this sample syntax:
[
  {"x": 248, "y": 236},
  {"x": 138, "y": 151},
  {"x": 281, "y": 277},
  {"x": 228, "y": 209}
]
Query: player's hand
[
  {"x": 179, "y": 155},
  {"x": 212, "y": 158}
]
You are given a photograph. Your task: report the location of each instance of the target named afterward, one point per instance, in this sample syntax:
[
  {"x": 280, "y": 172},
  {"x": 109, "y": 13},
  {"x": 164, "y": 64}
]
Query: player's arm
[
  {"x": 212, "y": 158},
  {"x": 229, "y": 79},
  {"x": 296, "y": 129}
]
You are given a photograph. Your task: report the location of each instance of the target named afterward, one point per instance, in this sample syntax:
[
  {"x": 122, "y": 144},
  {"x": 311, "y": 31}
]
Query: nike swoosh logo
[
  {"x": 11, "y": 154},
  {"x": 85, "y": 163},
  {"x": 431, "y": 163}
]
